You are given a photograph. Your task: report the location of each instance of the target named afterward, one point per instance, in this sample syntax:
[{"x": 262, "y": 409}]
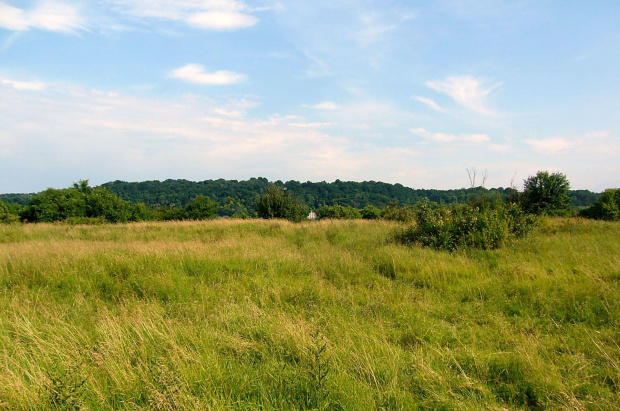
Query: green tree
[
  {"x": 370, "y": 212},
  {"x": 141, "y": 212},
  {"x": 338, "y": 212},
  {"x": 546, "y": 193},
  {"x": 607, "y": 206},
  {"x": 201, "y": 208},
  {"x": 5, "y": 214},
  {"x": 276, "y": 203},
  {"x": 78, "y": 201}
]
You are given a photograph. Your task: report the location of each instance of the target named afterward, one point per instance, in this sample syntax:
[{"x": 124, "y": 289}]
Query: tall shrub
[
  {"x": 607, "y": 207},
  {"x": 470, "y": 225},
  {"x": 276, "y": 203}
]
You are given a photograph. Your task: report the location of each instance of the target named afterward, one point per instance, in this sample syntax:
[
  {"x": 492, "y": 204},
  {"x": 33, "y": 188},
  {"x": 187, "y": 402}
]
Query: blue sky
[{"x": 413, "y": 92}]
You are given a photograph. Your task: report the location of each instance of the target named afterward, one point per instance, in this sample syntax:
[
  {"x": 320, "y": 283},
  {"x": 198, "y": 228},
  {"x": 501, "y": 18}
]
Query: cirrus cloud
[
  {"x": 202, "y": 14},
  {"x": 448, "y": 138},
  {"x": 23, "y": 85},
  {"x": 467, "y": 91},
  {"x": 49, "y": 15}
]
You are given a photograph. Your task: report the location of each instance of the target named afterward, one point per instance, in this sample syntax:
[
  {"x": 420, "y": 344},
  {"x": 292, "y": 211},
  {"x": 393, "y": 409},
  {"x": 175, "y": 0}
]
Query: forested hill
[
  {"x": 359, "y": 195},
  {"x": 356, "y": 194},
  {"x": 233, "y": 193}
]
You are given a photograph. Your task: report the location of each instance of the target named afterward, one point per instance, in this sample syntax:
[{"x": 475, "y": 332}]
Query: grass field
[{"x": 331, "y": 315}]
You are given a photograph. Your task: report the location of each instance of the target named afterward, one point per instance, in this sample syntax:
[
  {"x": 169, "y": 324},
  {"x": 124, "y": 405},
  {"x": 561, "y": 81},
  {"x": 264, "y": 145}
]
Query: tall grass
[{"x": 330, "y": 315}]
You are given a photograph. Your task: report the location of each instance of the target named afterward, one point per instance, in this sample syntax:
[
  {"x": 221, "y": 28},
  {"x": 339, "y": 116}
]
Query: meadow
[{"x": 272, "y": 315}]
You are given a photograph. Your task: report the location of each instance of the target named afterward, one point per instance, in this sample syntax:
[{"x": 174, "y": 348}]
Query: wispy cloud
[
  {"x": 550, "y": 145},
  {"x": 448, "y": 138},
  {"x": 89, "y": 133},
  {"x": 23, "y": 85},
  {"x": 467, "y": 91},
  {"x": 48, "y": 15},
  {"x": 202, "y": 14},
  {"x": 357, "y": 32},
  {"x": 431, "y": 103},
  {"x": 595, "y": 141},
  {"x": 197, "y": 74},
  {"x": 326, "y": 105}
]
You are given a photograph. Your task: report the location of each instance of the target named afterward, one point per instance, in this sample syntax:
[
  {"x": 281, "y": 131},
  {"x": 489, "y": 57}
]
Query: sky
[{"x": 401, "y": 91}]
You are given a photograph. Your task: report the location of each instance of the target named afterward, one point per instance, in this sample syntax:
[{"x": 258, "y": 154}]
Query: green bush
[
  {"x": 338, "y": 212},
  {"x": 394, "y": 212},
  {"x": 276, "y": 203},
  {"x": 485, "y": 226},
  {"x": 79, "y": 201},
  {"x": 201, "y": 208},
  {"x": 370, "y": 212},
  {"x": 6, "y": 217},
  {"x": 606, "y": 208},
  {"x": 9, "y": 218}
]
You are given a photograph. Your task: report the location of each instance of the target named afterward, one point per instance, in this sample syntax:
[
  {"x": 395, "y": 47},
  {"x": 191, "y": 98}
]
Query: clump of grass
[
  {"x": 318, "y": 370},
  {"x": 66, "y": 388}
]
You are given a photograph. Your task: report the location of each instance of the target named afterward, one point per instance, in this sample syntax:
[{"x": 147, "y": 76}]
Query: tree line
[{"x": 234, "y": 196}]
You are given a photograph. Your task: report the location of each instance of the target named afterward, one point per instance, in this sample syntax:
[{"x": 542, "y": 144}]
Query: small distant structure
[{"x": 312, "y": 215}]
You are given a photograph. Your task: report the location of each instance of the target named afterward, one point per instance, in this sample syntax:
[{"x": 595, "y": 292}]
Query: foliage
[
  {"x": 202, "y": 208},
  {"x": 277, "y": 203},
  {"x": 141, "y": 212},
  {"x": 606, "y": 208},
  {"x": 485, "y": 224},
  {"x": 79, "y": 201},
  {"x": 6, "y": 216},
  {"x": 546, "y": 193},
  {"x": 394, "y": 212},
  {"x": 370, "y": 212},
  {"x": 177, "y": 193},
  {"x": 338, "y": 212}
]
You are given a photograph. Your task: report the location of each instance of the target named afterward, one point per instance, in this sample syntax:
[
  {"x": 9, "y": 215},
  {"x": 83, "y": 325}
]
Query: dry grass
[{"x": 224, "y": 315}]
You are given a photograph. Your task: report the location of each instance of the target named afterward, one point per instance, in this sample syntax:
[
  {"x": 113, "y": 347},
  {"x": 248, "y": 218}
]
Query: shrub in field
[
  {"x": 370, "y": 212},
  {"x": 5, "y": 214},
  {"x": 276, "y": 203},
  {"x": 394, "y": 212},
  {"x": 485, "y": 226},
  {"x": 141, "y": 212},
  {"x": 201, "y": 208},
  {"x": 338, "y": 212},
  {"x": 606, "y": 208},
  {"x": 79, "y": 201}
]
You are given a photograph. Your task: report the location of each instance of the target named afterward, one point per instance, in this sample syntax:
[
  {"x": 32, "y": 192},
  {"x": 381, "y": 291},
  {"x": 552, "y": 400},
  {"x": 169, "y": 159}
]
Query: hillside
[{"x": 314, "y": 194}]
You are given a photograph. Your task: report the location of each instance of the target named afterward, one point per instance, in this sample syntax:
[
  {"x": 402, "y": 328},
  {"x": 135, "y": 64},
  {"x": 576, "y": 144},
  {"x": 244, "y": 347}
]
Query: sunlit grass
[{"x": 226, "y": 315}]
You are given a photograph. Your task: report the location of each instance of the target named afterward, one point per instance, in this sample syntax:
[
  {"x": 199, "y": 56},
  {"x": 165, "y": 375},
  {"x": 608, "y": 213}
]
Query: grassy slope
[{"x": 225, "y": 315}]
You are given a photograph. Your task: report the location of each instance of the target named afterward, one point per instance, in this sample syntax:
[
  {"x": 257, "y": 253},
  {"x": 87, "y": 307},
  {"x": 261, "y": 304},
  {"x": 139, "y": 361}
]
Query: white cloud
[
  {"x": 70, "y": 132},
  {"x": 326, "y": 105},
  {"x": 195, "y": 73},
  {"x": 48, "y": 15},
  {"x": 467, "y": 91},
  {"x": 221, "y": 20},
  {"x": 310, "y": 125},
  {"x": 594, "y": 141},
  {"x": 432, "y": 104},
  {"x": 203, "y": 14},
  {"x": 448, "y": 138},
  {"x": 550, "y": 145},
  {"x": 23, "y": 85}
]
